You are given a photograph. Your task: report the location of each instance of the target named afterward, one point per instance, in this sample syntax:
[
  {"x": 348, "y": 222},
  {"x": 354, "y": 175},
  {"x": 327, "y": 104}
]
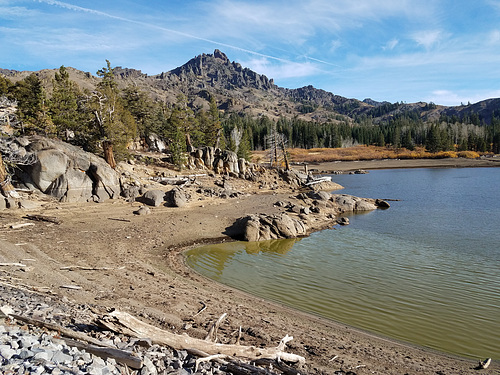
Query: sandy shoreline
[{"x": 156, "y": 285}]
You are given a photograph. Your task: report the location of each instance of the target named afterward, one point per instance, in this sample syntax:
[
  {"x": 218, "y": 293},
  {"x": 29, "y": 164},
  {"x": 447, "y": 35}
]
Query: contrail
[
  {"x": 322, "y": 61},
  {"x": 104, "y": 14}
]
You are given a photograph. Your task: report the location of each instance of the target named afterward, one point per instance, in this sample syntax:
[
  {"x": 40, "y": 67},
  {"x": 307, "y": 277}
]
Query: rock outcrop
[
  {"x": 317, "y": 207},
  {"x": 221, "y": 162},
  {"x": 67, "y": 173},
  {"x": 268, "y": 227}
]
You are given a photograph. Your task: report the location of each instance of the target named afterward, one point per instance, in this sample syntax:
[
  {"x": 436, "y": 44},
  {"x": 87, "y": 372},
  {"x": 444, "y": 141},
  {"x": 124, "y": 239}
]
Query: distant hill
[{"x": 241, "y": 90}]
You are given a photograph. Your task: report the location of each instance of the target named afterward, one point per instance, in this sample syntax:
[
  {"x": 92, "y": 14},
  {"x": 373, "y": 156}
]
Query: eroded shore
[{"x": 146, "y": 276}]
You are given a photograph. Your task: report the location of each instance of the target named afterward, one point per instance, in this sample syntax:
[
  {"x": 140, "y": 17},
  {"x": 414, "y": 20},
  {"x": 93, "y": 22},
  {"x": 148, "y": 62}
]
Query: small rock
[
  {"x": 343, "y": 221},
  {"x": 143, "y": 210},
  {"x": 7, "y": 352},
  {"x": 61, "y": 357}
]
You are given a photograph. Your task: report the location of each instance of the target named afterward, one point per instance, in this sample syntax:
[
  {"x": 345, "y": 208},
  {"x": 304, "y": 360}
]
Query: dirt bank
[
  {"x": 405, "y": 163},
  {"x": 135, "y": 263}
]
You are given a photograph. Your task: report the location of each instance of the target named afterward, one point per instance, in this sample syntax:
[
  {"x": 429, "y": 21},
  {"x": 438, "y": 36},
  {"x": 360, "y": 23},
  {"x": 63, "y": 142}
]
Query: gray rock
[
  {"x": 264, "y": 227},
  {"x": 25, "y": 353},
  {"x": 155, "y": 143},
  {"x": 350, "y": 203},
  {"x": 44, "y": 355},
  {"x": 252, "y": 229},
  {"x": 61, "y": 357},
  {"x": 319, "y": 195},
  {"x": 153, "y": 197},
  {"x": 131, "y": 192},
  {"x": 380, "y": 203},
  {"x": 148, "y": 368},
  {"x": 50, "y": 166},
  {"x": 7, "y": 352},
  {"x": 3, "y": 203},
  {"x": 12, "y": 203},
  {"x": 177, "y": 197},
  {"x": 343, "y": 221},
  {"x": 67, "y": 172},
  {"x": 143, "y": 210}
]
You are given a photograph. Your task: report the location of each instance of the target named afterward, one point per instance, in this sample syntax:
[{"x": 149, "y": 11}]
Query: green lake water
[{"x": 425, "y": 271}]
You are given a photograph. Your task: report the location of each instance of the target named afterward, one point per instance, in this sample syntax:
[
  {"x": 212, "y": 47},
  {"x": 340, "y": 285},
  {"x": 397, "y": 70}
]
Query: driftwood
[
  {"x": 12, "y": 265},
  {"x": 62, "y": 331},
  {"x": 122, "y": 356},
  {"x": 95, "y": 346},
  {"x": 233, "y": 365},
  {"x": 84, "y": 268},
  {"x": 20, "y": 225},
  {"x": 49, "y": 219},
  {"x": 73, "y": 287},
  {"x": 127, "y": 324},
  {"x": 118, "y": 219},
  {"x": 212, "y": 333},
  {"x": 200, "y": 310}
]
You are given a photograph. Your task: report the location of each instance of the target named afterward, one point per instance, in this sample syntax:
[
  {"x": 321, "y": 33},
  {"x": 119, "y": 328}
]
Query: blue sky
[{"x": 444, "y": 51}]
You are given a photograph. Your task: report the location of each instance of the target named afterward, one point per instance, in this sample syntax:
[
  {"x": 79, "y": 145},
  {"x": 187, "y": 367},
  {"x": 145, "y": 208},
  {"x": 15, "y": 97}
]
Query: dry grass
[{"x": 321, "y": 155}]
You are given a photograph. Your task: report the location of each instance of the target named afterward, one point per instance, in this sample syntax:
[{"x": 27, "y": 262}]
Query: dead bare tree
[
  {"x": 12, "y": 155},
  {"x": 276, "y": 144},
  {"x": 8, "y": 116}
]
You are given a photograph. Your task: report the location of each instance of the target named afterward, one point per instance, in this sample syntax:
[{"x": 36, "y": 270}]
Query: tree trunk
[
  {"x": 189, "y": 145},
  {"x": 109, "y": 156}
]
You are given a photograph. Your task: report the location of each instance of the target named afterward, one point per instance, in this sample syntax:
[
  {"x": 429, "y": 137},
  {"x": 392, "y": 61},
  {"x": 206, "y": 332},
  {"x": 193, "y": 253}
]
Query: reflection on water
[
  {"x": 425, "y": 271},
  {"x": 213, "y": 258},
  {"x": 271, "y": 246}
]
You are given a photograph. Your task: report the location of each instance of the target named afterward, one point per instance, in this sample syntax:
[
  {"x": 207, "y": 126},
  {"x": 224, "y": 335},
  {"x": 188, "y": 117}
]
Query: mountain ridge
[{"x": 241, "y": 90}]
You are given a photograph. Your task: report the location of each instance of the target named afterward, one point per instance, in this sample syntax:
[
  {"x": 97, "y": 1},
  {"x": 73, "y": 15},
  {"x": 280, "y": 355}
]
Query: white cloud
[
  {"x": 390, "y": 45},
  {"x": 494, "y": 36},
  {"x": 427, "y": 38},
  {"x": 334, "y": 45},
  {"x": 451, "y": 98},
  {"x": 283, "y": 70}
]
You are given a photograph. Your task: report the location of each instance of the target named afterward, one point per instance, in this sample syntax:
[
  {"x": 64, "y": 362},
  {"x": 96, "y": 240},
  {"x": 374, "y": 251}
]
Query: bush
[{"x": 468, "y": 154}]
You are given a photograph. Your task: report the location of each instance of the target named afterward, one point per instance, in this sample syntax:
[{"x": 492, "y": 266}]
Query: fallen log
[
  {"x": 90, "y": 344},
  {"x": 122, "y": 356},
  {"x": 85, "y": 268},
  {"x": 127, "y": 324},
  {"x": 20, "y": 225},
  {"x": 62, "y": 331},
  {"x": 12, "y": 265}
]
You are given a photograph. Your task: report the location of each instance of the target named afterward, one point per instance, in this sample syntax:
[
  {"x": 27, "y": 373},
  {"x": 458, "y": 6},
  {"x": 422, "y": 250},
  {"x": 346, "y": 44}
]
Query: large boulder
[
  {"x": 268, "y": 227},
  {"x": 68, "y": 173},
  {"x": 155, "y": 143},
  {"x": 153, "y": 198},
  {"x": 177, "y": 197},
  {"x": 350, "y": 203}
]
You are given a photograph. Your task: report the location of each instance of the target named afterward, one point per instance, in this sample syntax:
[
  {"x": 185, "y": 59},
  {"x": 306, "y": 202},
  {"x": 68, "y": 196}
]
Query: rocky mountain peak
[{"x": 216, "y": 71}]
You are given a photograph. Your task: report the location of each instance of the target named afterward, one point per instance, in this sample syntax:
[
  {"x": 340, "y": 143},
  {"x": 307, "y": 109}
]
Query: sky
[{"x": 441, "y": 51}]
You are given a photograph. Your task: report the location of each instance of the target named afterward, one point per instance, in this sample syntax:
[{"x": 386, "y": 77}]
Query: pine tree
[
  {"x": 32, "y": 106},
  {"x": 434, "y": 142},
  {"x": 143, "y": 109},
  {"x": 64, "y": 103},
  {"x": 5, "y": 85},
  {"x": 244, "y": 146},
  {"x": 111, "y": 125},
  {"x": 213, "y": 133}
]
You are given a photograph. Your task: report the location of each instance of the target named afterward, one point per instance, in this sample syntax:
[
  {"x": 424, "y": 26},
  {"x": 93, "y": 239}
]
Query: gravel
[{"x": 25, "y": 349}]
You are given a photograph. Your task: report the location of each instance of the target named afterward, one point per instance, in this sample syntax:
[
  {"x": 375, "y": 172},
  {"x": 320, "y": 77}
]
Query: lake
[{"x": 425, "y": 271}]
